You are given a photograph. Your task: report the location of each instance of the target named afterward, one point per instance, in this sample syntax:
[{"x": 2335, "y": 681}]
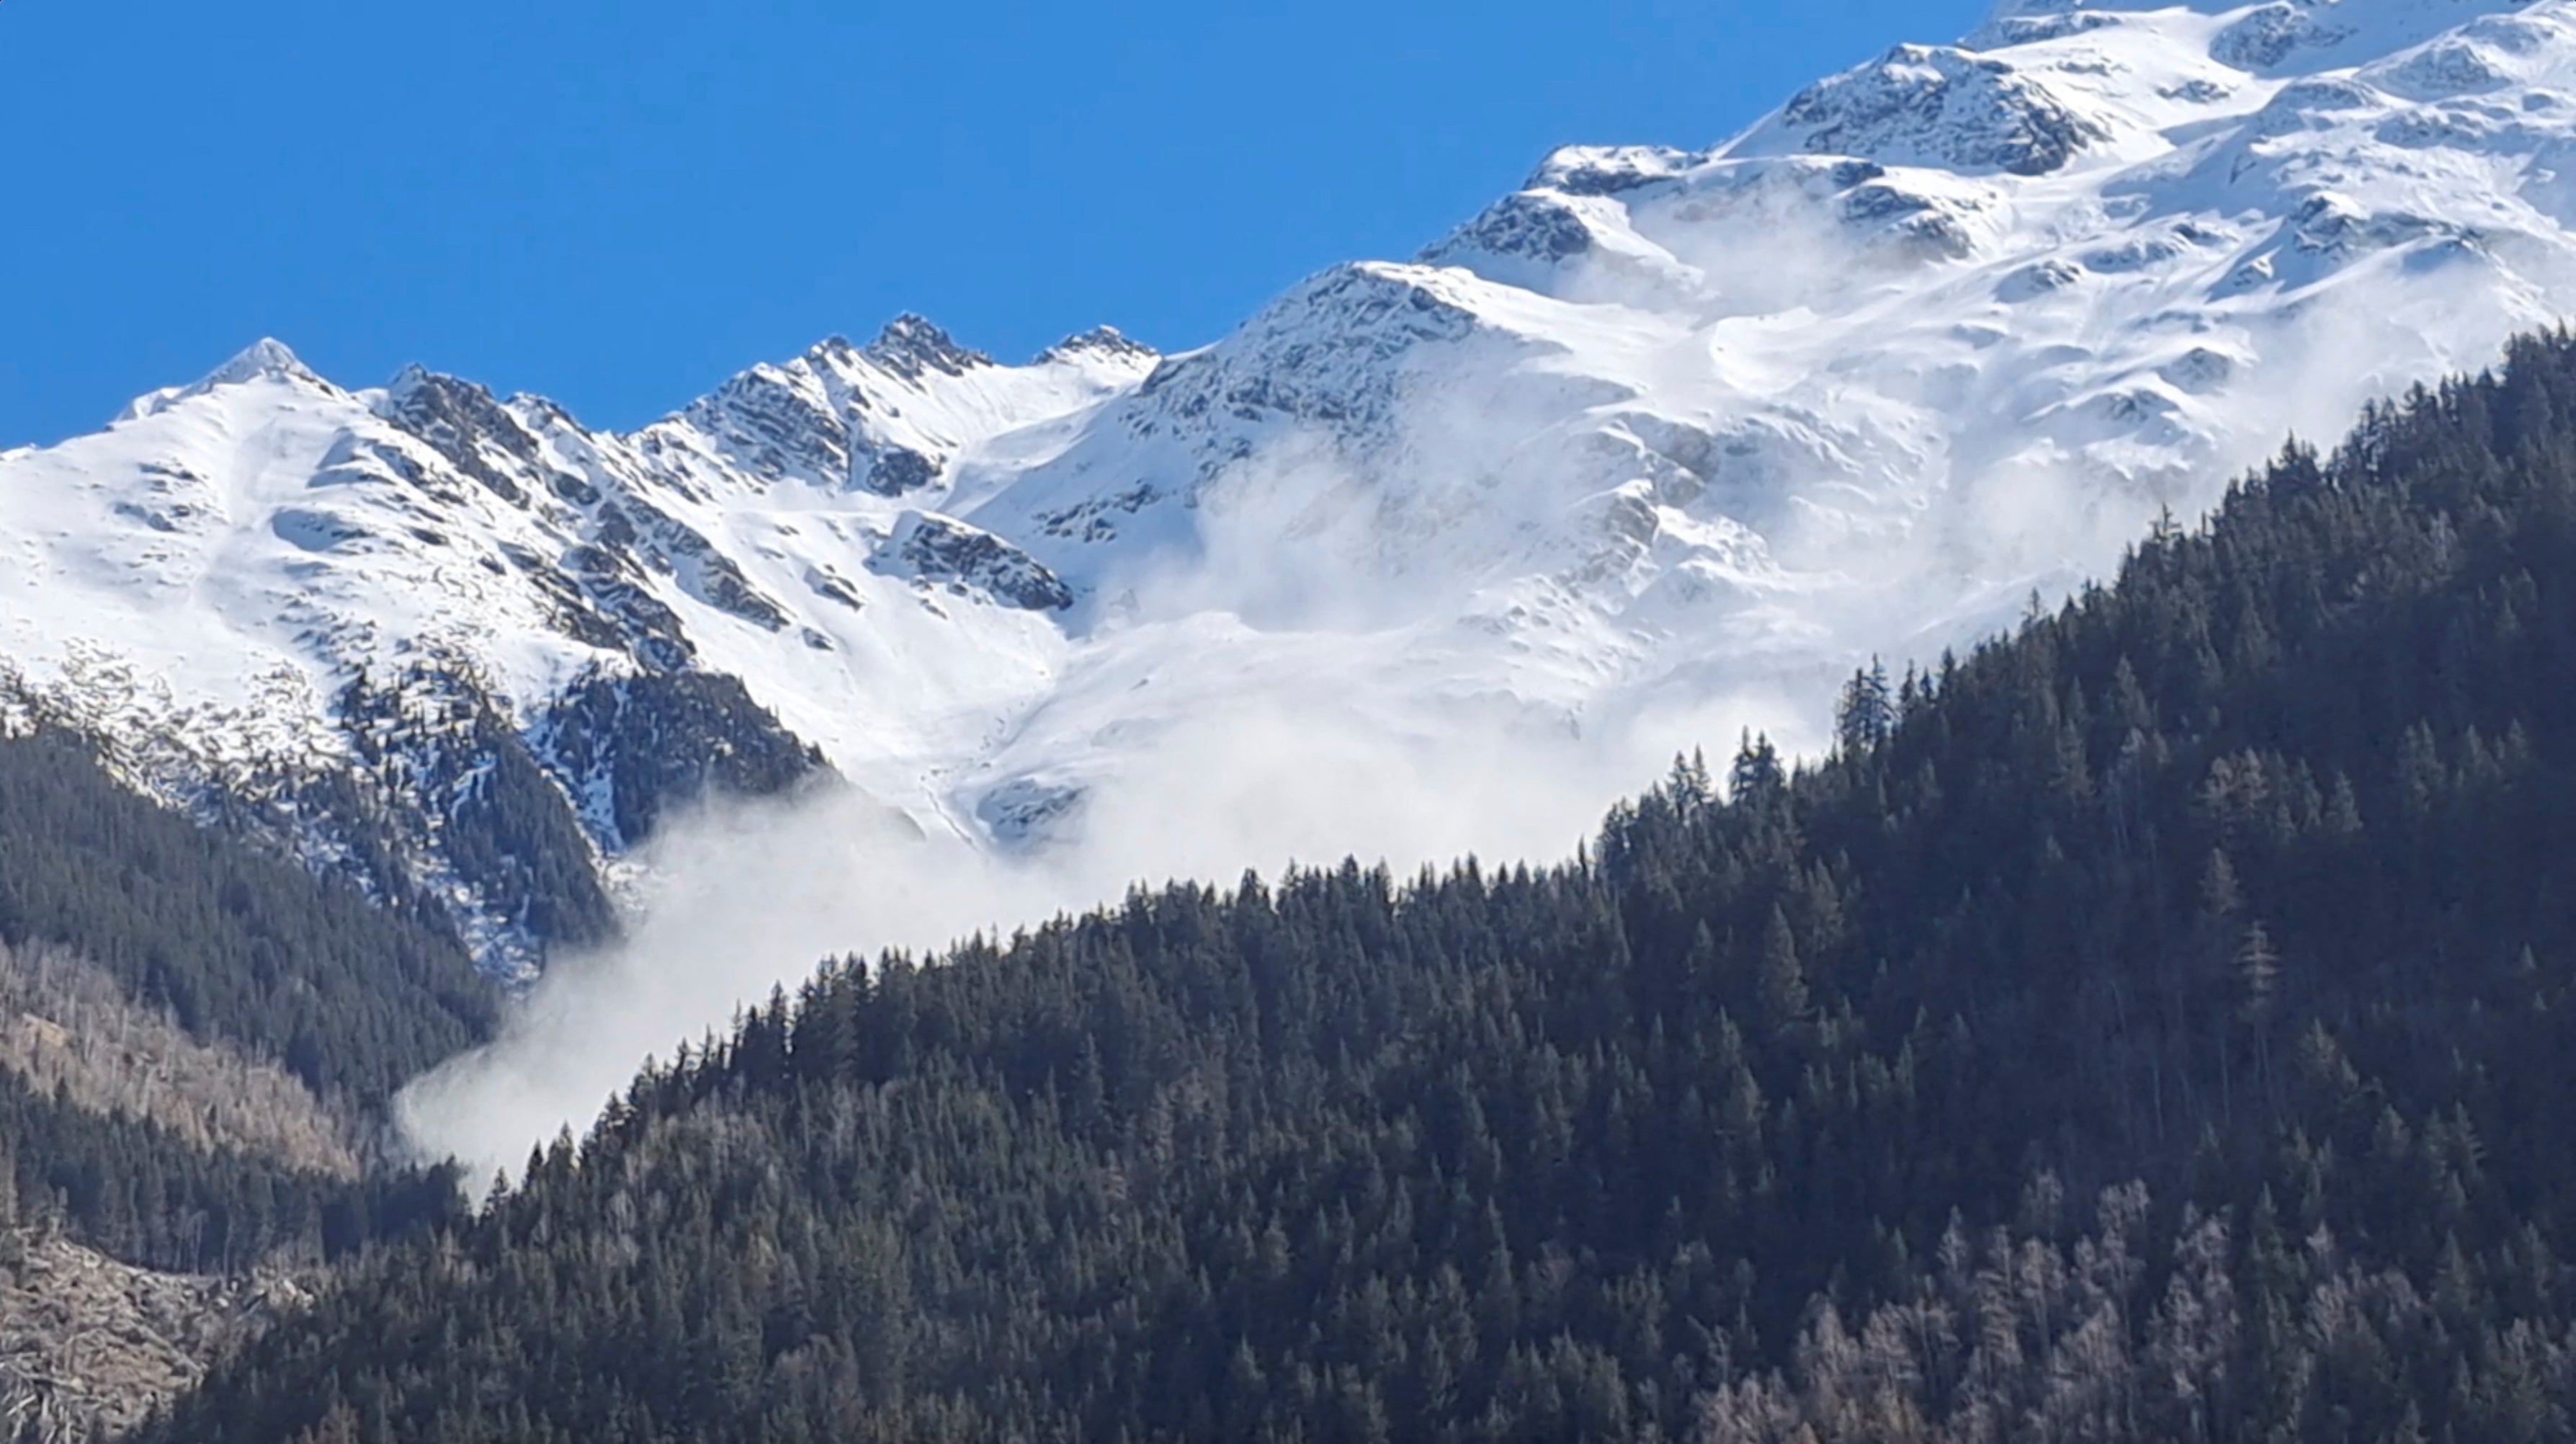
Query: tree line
[
  {"x": 235, "y": 947},
  {"x": 2146, "y": 1027}
]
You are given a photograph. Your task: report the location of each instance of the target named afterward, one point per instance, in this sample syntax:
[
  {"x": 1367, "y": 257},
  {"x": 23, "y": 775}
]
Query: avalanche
[{"x": 1662, "y": 443}]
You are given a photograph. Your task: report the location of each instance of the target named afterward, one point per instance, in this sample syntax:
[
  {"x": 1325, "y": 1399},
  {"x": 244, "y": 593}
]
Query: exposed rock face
[
  {"x": 942, "y": 549},
  {"x": 459, "y": 420},
  {"x": 1940, "y": 106},
  {"x": 894, "y": 470},
  {"x": 910, "y": 347},
  {"x": 633, "y": 749},
  {"x": 1664, "y": 430},
  {"x": 1532, "y": 224}
]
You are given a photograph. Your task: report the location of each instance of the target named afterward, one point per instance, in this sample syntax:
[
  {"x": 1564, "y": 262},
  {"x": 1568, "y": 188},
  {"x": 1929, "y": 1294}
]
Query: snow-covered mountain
[{"x": 1664, "y": 441}]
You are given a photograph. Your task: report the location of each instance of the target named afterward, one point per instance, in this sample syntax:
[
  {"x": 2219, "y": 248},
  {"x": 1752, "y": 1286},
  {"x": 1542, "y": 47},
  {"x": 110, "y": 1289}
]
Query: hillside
[
  {"x": 197, "y": 1043},
  {"x": 351, "y": 995},
  {"x": 89, "y": 1346},
  {"x": 2146, "y": 1027},
  {"x": 71, "y": 1033},
  {"x": 198, "y": 1040},
  {"x": 1664, "y": 441}
]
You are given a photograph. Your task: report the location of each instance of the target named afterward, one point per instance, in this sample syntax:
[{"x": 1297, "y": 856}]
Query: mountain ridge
[
  {"x": 2150, "y": 1025},
  {"x": 1654, "y": 446}
]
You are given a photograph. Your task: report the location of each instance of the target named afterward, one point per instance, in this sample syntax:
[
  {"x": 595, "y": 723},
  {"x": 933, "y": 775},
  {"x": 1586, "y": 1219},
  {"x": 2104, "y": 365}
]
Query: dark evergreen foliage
[
  {"x": 662, "y": 741},
  {"x": 506, "y": 828},
  {"x": 129, "y": 1189},
  {"x": 451, "y": 764},
  {"x": 2151, "y": 1032},
  {"x": 238, "y": 945}
]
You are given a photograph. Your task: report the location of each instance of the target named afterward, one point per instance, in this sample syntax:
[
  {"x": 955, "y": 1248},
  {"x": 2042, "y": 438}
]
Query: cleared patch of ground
[{"x": 88, "y": 1345}]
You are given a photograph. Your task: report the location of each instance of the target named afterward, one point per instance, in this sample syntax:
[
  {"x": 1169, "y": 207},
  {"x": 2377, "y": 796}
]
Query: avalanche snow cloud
[{"x": 1426, "y": 557}]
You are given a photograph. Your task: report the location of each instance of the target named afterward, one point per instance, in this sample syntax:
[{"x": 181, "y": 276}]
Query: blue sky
[{"x": 618, "y": 204}]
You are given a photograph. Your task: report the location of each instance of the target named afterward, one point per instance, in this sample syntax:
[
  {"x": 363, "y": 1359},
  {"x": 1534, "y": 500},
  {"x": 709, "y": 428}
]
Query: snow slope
[{"x": 1662, "y": 443}]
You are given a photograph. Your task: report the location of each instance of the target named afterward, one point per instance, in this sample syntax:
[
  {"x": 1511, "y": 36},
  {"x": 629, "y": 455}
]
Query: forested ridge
[
  {"x": 236, "y": 948},
  {"x": 2145, "y": 1028},
  {"x": 238, "y": 944}
]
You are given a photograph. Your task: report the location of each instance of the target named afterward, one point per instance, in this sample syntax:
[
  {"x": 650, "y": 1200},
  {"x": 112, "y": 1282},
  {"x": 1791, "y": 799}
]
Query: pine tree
[
  {"x": 1866, "y": 714},
  {"x": 1756, "y": 776}
]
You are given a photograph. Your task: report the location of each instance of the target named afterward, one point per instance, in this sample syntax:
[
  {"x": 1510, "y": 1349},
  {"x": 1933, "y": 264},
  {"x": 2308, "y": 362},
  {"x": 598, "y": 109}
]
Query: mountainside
[
  {"x": 197, "y": 1045},
  {"x": 197, "y": 1041},
  {"x": 89, "y": 1346},
  {"x": 1659, "y": 443},
  {"x": 2152, "y": 1027}
]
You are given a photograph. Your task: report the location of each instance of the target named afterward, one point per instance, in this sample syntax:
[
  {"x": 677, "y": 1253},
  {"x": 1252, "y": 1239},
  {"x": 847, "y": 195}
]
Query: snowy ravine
[{"x": 1657, "y": 446}]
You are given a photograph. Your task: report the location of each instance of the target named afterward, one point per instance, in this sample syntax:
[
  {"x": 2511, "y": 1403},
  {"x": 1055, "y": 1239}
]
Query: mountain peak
[
  {"x": 265, "y": 358},
  {"x": 2007, "y": 10},
  {"x": 910, "y": 345},
  {"x": 412, "y": 377},
  {"x": 1105, "y": 341}
]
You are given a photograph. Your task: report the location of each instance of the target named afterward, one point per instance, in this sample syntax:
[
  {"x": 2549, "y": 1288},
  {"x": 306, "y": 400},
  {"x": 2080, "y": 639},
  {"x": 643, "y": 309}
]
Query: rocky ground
[{"x": 88, "y": 1346}]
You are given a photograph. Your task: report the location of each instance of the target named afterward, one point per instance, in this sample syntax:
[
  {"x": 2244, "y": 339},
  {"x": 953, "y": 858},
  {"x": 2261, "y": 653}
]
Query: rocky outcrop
[
  {"x": 1939, "y": 106},
  {"x": 631, "y": 750},
  {"x": 944, "y": 551}
]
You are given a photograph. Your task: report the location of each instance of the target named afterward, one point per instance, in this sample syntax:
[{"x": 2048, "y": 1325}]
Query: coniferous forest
[
  {"x": 2149, "y": 1027},
  {"x": 238, "y": 944},
  {"x": 241, "y": 950}
]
